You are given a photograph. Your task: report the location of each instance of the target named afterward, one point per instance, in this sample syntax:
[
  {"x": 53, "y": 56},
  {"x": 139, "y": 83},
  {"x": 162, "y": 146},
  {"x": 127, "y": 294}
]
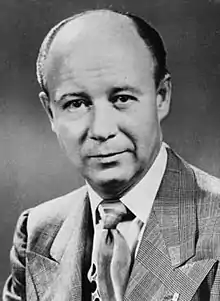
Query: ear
[
  {"x": 45, "y": 101},
  {"x": 164, "y": 92}
]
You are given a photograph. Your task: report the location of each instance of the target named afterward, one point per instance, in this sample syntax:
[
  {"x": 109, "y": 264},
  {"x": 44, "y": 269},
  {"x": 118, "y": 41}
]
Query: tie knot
[{"x": 112, "y": 213}]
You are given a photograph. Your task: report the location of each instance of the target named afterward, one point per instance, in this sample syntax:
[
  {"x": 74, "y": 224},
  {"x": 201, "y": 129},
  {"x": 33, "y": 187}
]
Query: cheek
[
  {"x": 143, "y": 131},
  {"x": 70, "y": 136},
  {"x": 141, "y": 122}
]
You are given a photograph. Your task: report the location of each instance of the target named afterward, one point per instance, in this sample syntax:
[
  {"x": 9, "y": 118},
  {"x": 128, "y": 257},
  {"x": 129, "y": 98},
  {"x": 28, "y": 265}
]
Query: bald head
[
  {"x": 99, "y": 23},
  {"x": 102, "y": 27}
]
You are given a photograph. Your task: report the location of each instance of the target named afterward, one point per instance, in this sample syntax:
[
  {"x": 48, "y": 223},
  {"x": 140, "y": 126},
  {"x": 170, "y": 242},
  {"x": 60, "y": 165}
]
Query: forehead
[{"x": 104, "y": 47}]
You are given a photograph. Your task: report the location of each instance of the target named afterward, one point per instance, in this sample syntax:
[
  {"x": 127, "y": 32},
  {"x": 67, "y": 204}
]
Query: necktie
[{"x": 113, "y": 255}]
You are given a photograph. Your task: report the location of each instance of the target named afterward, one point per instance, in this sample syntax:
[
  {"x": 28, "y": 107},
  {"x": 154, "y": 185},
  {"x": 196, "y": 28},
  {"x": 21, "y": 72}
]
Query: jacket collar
[
  {"x": 74, "y": 226},
  {"x": 175, "y": 209}
]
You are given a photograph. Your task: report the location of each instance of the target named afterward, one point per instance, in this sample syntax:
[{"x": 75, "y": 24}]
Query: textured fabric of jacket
[{"x": 178, "y": 257}]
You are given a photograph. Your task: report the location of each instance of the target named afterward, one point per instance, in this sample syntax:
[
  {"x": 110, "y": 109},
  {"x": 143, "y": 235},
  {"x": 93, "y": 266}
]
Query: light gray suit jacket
[{"x": 178, "y": 258}]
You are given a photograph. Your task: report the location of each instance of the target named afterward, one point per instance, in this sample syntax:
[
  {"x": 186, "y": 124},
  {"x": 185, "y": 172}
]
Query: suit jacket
[{"x": 178, "y": 257}]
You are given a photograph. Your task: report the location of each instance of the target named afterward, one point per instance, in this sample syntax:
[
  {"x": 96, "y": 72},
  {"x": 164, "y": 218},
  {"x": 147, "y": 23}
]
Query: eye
[
  {"x": 71, "y": 104},
  {"x": 123, "y": 100},
  {"x": 76, "y": 105}
]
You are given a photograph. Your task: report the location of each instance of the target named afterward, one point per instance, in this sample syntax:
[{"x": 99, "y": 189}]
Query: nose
[{"x": 103, "y": 124}]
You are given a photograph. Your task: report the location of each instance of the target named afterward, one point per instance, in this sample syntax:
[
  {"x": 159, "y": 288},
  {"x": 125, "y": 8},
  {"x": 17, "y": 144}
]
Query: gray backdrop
[{"x": 32, "y": 167}]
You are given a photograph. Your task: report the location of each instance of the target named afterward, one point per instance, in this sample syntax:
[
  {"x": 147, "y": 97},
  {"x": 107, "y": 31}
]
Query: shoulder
[
  {"x": 48, "y": 216},
  {"x": 56, "y": 209},
  {"x": 202, "y": 180},
  {"x": 206, "y": 190},
  {"x": 207, "y": 196},
  {"x": 61, "y": 205},
  {"x": 206, "y": 182}
]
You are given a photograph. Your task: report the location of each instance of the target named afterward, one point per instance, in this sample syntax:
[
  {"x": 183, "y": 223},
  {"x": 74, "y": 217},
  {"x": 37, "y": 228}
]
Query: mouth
[{"x": 107, "y": 155}]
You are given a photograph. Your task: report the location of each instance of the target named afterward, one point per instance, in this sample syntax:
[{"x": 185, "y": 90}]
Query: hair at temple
[{"x": 150, "y": 36}]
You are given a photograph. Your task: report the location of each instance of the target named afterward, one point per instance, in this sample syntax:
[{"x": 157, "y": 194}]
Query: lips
[
  {"x": 106, "y": 155},
  {"x": 103, "y": 155}
]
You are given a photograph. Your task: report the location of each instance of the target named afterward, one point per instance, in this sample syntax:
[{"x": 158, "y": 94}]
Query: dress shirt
[{"x": 140, "y": 198}]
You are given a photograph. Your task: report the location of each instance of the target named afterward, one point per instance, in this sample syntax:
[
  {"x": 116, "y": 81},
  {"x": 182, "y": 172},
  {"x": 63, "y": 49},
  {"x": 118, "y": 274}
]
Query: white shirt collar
[{"x": 141, "y": 197}]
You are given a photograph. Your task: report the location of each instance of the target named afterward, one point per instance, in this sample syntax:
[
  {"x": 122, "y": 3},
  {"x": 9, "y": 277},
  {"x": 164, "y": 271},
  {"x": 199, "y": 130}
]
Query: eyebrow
[
  {"x": 75, "y": 94},
  {"x": 116, "y": 90}
]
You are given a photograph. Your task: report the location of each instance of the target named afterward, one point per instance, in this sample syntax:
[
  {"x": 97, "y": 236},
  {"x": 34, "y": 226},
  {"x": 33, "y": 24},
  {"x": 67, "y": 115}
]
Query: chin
[
  {"x": 110, "y": 182},
  {"x": 112, "y": 174}
]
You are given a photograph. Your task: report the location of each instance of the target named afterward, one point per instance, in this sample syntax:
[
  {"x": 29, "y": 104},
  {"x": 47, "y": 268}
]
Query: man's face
[{"x": 105, "y": 108}]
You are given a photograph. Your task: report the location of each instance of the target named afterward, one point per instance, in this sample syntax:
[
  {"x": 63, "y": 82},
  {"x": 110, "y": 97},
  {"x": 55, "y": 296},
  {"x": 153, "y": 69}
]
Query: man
[{"x": 146, "y": 226}]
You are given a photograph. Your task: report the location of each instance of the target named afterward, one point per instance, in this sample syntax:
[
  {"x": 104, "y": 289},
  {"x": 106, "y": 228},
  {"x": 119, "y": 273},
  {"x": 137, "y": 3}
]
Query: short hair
[{"x": 151, "y": 37}]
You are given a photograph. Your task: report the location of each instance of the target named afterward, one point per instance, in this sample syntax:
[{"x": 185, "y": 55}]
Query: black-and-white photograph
[{"x": 110, "y": 150}]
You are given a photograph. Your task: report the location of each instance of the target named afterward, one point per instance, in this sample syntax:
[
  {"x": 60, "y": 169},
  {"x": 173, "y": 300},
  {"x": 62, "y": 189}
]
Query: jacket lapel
[
  {"x": 59, "y": 276},
  {"x": 163, "y": 269},
  {"x": 175, "y": 210}
]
